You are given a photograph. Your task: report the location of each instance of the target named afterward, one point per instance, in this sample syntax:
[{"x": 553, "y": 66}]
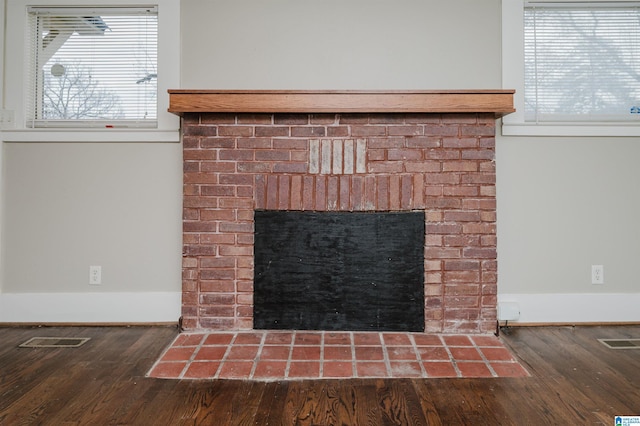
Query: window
[
  {"x": 582, "y": 63},
  {"x": 575, "y": 67},
  {"x": 92, "y": 67}
]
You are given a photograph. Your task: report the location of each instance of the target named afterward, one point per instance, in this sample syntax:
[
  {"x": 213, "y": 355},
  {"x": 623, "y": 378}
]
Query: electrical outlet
[
  {"x": 597, "y": 274},
  {"x": 95, "y": 275}
]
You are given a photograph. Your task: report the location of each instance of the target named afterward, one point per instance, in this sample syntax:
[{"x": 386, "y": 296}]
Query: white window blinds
[
  {"x": 93, "y": 67},
  {"x": 582, "y": 62}
]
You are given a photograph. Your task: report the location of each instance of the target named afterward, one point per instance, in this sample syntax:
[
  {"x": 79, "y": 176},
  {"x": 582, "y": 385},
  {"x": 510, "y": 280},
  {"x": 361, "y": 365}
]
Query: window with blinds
[
  {"x": 582, "y": 62},
  {"x": 92, "y": 67}
]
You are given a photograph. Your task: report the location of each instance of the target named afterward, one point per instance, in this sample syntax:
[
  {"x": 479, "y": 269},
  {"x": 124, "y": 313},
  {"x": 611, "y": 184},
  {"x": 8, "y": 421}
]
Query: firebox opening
[{"x": 339, "y": 270}]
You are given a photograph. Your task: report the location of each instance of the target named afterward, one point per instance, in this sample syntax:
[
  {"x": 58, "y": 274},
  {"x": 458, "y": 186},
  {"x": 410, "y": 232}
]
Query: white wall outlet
[
  {"x": 95, "y": 275},
  {"x": 597, "y": 274}
]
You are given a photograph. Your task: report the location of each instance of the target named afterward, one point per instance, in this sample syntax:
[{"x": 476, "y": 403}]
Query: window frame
[
  {"x": 513, "y": 78},
  {"x": 16, "y": 82}
]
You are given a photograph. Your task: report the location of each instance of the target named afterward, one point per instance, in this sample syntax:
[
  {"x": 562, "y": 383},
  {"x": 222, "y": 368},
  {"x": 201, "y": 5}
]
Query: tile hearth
[{"x": 297, "y": 355}]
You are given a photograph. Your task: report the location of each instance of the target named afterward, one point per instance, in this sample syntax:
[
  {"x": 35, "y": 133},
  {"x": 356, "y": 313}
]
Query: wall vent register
[
  {"x": 621, "y": 343},
  {"x": 55, "y": 342}
]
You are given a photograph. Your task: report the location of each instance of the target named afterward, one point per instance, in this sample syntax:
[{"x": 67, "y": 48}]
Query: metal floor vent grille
[
  {"x": 55, "y": 342},
  {"x": 621, "y": 343}
]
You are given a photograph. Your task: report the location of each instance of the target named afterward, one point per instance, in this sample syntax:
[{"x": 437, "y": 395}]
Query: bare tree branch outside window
[
  {"x": 77, "y": 95},
  {"x": 95, "y": 67}
]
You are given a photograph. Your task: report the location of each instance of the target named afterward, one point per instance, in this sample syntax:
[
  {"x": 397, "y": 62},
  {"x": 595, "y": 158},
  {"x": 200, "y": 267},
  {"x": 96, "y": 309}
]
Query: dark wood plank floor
[{"x": 575, "y": 380}]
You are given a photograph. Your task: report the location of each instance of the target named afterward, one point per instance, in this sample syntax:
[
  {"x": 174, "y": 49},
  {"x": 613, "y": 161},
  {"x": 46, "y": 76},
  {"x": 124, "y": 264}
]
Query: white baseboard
[
  {"x": 90, "y": 307},
  {"x": 165, "y": 307},
  {"x": 576, "y": 308}
]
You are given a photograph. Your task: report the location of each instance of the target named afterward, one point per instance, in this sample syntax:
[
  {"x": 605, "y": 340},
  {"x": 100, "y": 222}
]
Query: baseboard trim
[
  {"x": 568, "y": 324},
  {"x": 88, "y": 324},
  {"x": 575, "y": 309},
  {"x": 90, "y": 308}
]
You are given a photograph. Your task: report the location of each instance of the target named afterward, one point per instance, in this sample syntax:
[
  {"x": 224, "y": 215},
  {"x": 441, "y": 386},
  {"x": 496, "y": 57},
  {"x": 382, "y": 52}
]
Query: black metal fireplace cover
[{"x": 358, "y": 271}]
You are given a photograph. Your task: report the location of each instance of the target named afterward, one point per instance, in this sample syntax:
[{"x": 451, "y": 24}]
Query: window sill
[
  {"x": 101, "y": 135},
  {"x": 564, "y": 129}
]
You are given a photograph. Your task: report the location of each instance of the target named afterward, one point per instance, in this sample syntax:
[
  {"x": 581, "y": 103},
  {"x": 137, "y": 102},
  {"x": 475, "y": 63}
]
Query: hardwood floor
[{"x": 575, "y": 380}]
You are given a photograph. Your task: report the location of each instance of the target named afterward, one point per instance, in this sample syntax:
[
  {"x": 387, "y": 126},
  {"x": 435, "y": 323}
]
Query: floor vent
[
  {"x": 55, "y": 342},
  {"x": 621, "y": 343}
]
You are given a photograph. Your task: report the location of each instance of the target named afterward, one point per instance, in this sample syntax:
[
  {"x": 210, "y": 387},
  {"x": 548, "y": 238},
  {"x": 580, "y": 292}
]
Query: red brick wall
[{"x": 442, "y": 164}]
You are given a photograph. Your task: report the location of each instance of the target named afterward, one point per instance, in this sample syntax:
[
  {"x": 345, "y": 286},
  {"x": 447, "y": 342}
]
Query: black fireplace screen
[{"x": 339, "y": 271}]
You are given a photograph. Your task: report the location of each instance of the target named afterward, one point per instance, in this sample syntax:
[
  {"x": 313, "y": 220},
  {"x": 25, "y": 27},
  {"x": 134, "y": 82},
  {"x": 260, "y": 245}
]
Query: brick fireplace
[{"x": 431, "y": 152}]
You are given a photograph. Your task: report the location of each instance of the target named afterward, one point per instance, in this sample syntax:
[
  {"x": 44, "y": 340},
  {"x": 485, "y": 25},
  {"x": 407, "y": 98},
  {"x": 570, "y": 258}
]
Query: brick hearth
[
  {"x": 439, "y": 163},
  {"x": 311, "y": 355}
]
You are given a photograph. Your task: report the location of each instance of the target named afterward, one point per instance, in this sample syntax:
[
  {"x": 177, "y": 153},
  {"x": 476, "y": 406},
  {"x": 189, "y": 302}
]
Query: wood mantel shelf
[{"x": 498, "y": 102}]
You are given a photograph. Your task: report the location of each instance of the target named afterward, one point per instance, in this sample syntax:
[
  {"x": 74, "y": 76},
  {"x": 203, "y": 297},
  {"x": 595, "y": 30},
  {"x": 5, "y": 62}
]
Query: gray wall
[
  {"x": 71, "y": 205},
  {"x": 337, "y": 44},
  {"x": 563, "y": 203}
]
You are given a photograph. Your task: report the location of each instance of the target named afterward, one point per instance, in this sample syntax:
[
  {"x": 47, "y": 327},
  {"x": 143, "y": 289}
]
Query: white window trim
[
  {"x": 15, "y": 84},
  {"x": 513, "y": 78}
]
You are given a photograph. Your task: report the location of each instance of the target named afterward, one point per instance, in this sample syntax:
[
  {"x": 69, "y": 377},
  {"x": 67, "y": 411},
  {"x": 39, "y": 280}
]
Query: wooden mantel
[{"x": 498, "y": 102}]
